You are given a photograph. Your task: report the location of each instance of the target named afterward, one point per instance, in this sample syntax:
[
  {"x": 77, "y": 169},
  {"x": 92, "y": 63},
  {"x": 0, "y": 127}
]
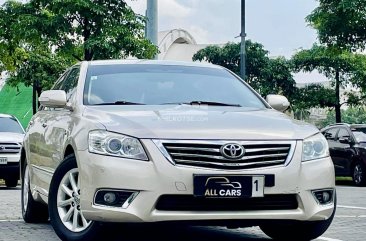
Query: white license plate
[
  {"x": 228, "y": 186},
  {"x": 3, "y": 160}
]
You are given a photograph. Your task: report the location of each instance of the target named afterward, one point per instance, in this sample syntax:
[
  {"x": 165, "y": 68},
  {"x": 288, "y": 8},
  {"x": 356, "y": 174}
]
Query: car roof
[
  {"x": 351, "y": 126},
  {"x": 154, "y": 62},
  {"x": 6, "y": 116}
]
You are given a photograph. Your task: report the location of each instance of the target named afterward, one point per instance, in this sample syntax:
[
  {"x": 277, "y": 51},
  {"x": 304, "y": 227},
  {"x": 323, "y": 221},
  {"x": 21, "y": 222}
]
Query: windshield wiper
[
  {"x": 121, "y": 102},
  {"x": 197, "y": 102}
]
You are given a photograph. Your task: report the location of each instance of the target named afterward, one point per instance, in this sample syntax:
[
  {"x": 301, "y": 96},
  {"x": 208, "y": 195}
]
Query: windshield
[
  {"x": 162, "y": 84},
  {"x": 360, "y": 134},
  {"x": 10, "y": 125}
]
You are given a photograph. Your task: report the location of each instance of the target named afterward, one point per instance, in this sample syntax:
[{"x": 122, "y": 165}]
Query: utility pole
[
  {"x": 152, "y": 22},
  {"x": 242, "y": 46}
]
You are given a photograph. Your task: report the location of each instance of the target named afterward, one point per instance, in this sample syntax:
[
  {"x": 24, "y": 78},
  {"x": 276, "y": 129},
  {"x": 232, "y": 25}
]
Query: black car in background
[{"x": 347, "y": 145}]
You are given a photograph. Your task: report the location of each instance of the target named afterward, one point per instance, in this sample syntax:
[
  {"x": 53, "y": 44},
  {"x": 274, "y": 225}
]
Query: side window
[
  {"x": 343, "y": 133},
  {"x": 59, "y": 82},
  {"x": 330, "y": 134},
  {"x": 70, "y": 83}
]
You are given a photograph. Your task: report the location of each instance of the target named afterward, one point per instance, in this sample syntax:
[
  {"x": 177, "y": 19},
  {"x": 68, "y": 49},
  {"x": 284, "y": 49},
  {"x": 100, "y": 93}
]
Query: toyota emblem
[
  {"x": 232, "y": 151},
  {"x": 2, "y": 148}
]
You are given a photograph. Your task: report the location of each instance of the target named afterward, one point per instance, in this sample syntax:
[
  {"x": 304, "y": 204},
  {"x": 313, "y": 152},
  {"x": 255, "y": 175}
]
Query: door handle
[{"x": 44, "y": 125}]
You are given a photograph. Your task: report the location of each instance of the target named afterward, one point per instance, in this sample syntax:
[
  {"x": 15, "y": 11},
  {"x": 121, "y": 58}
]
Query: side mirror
[
  {"x": 278, "y": 102},
  {"x": 345, "y": 140},
  {"x": 53, "y": 98}
]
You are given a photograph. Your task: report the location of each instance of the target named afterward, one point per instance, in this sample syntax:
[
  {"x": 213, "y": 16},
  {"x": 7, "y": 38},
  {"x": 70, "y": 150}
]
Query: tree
[
  {"x": 340, "y": 23},
  {"x": 104, "y": 29},
  {"x": 39, "y": 38},
  {"x": 353, "y": 115},
  {"x": 341, "y": 66},
  {"x": 267, "y": 76}
]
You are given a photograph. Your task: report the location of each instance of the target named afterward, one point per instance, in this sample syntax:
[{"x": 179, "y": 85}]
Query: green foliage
[
  {"x": 329, "y": 61},
  {"x": 342, "y": 67},
  {"x": 104, "y": 29},
  {"x": 40, "y": 38},
  {"x": 340, "y": 23},
  {"x": 267, "y": 76},
  {"x": 314, "y": 95},
  {"x": 355, "y": 115}
]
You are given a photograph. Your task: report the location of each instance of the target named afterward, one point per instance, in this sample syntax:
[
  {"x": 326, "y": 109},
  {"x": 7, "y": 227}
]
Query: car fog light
[
  {"x": 109, "y": 197},
  {"x": 323, "y": 197},
  {"x": 114, "y": 198}
]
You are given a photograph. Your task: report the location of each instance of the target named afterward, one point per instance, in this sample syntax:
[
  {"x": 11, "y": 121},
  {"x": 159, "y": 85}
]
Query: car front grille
[
  {"x": 208, "y": 154},
  {"x": 9, "y": 148},
  {"x": 191, "y": 203}
]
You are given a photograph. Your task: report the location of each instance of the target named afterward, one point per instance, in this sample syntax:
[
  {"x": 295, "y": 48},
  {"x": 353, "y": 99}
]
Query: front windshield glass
[
  {"x": 10, "y": 125},
  {"x": 360, "y": 134},
  {"x": 163, "y": 84}
]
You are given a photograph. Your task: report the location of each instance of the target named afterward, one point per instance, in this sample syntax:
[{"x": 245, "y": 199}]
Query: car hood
[
  {"x": 6, "y": 137},
  {"x": 206, "y": 122}
]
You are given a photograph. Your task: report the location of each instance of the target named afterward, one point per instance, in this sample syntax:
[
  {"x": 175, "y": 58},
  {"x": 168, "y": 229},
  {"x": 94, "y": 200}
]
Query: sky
[{"x": 278, "y": 24}]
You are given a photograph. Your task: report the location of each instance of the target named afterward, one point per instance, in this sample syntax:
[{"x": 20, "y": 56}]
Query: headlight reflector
[
  {"x": 315, "y": 147},
  {"x": 112, "y": 144}
]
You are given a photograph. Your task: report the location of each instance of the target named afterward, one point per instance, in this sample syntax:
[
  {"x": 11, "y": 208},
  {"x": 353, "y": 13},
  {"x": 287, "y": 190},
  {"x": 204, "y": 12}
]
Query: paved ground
[{"x": 349, "y": 224}]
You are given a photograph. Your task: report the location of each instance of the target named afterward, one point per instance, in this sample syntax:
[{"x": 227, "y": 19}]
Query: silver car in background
[
  {"x": 154, "y": 141},
  {"x": 11, "y": 139}
]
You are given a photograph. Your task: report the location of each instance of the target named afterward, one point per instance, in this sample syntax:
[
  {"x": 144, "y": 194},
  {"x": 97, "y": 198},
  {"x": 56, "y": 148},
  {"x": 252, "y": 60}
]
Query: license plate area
[
  {"x": 228, "y": 186},
  {"x": 3, "y": 160}
]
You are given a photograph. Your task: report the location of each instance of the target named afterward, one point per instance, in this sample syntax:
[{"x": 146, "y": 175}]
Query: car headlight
[
  {"x": 315, "y": 147},
  {"x": 112, "y": 144}
]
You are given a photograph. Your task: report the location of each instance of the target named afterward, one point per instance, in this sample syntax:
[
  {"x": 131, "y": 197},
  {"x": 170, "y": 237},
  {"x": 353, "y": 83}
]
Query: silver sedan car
[{"x": 154, "y": 141}]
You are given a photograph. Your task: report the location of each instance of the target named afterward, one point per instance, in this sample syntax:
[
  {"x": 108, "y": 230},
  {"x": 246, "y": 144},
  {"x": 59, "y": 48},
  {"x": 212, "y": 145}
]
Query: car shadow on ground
[
  {"x": 10, "y": 188},
  {"x": 177, "y": 233},
  {"x": 345, "y": 183}
]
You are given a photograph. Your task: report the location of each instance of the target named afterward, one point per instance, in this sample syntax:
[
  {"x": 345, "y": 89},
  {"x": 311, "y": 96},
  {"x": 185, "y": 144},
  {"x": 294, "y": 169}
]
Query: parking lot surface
[{"x": 349, "y": 224}]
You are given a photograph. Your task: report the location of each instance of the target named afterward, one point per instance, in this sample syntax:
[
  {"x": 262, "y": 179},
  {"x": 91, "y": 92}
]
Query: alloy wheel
[
  {"x": 68, "y": 203},
  {"x": 25, "y": 188},
  {"x": 357, "y": 174}
]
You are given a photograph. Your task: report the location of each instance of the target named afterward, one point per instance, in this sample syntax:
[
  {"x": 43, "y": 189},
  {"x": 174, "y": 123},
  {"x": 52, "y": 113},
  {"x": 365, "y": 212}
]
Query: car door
[
  {"x": 58, "y": 125},
  {"x": 344, "y": 151},
  {"x": 37, "y": 149},
  {"x": 330, "y": 134}
]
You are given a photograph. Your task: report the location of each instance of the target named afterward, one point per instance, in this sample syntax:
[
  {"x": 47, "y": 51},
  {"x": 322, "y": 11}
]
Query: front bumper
[
  {"x": 11, "y": 169},
  {"x": 159, "y": 177}
]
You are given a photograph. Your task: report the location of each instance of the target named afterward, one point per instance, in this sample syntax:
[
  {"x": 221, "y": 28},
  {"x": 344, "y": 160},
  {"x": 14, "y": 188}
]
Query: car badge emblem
[{"x": 232, "y": 151}]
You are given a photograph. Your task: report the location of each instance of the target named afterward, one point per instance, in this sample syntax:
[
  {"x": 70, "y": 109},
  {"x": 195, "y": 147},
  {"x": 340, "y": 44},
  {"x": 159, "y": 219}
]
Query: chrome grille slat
[
  {"x": 208, "y": 154},
  {"x": 193, "y": 148},
  {"x": 9, "y": 148},
  {"x": 223, "y": 158},
  {"x": 227, "y": 164}
]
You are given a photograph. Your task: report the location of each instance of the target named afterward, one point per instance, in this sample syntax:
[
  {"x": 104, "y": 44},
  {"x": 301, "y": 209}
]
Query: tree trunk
[
  {"x": 37, "y": 90},
  {"x": 338, "y": 102},
  {"x": 34, "y": 98}
]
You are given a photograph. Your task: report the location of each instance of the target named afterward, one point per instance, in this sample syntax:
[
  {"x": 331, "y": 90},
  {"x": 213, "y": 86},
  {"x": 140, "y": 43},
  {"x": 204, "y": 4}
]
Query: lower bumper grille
[{"x": 191, "y": 203}]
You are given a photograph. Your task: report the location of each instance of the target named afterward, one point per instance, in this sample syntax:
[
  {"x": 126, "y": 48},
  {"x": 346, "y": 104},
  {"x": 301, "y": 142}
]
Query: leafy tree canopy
[
  {"x": 267, "y": 76},
  {"x": 340, "y": 23},
  {"x": 341, "y": 66}
]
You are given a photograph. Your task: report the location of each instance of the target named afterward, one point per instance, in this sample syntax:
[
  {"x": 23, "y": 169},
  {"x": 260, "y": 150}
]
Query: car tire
[
  {"x": 359, "y": 174},
  {"x": 32, "y": 211},
  {"x": 299, "y": 230},
  {"x": 11, "y": 182},
  {"x": 64, "y": 205}
]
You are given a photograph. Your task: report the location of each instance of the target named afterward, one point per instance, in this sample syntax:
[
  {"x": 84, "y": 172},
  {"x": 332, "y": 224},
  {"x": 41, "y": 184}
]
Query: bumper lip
[{"x": 10, "y": 171}]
